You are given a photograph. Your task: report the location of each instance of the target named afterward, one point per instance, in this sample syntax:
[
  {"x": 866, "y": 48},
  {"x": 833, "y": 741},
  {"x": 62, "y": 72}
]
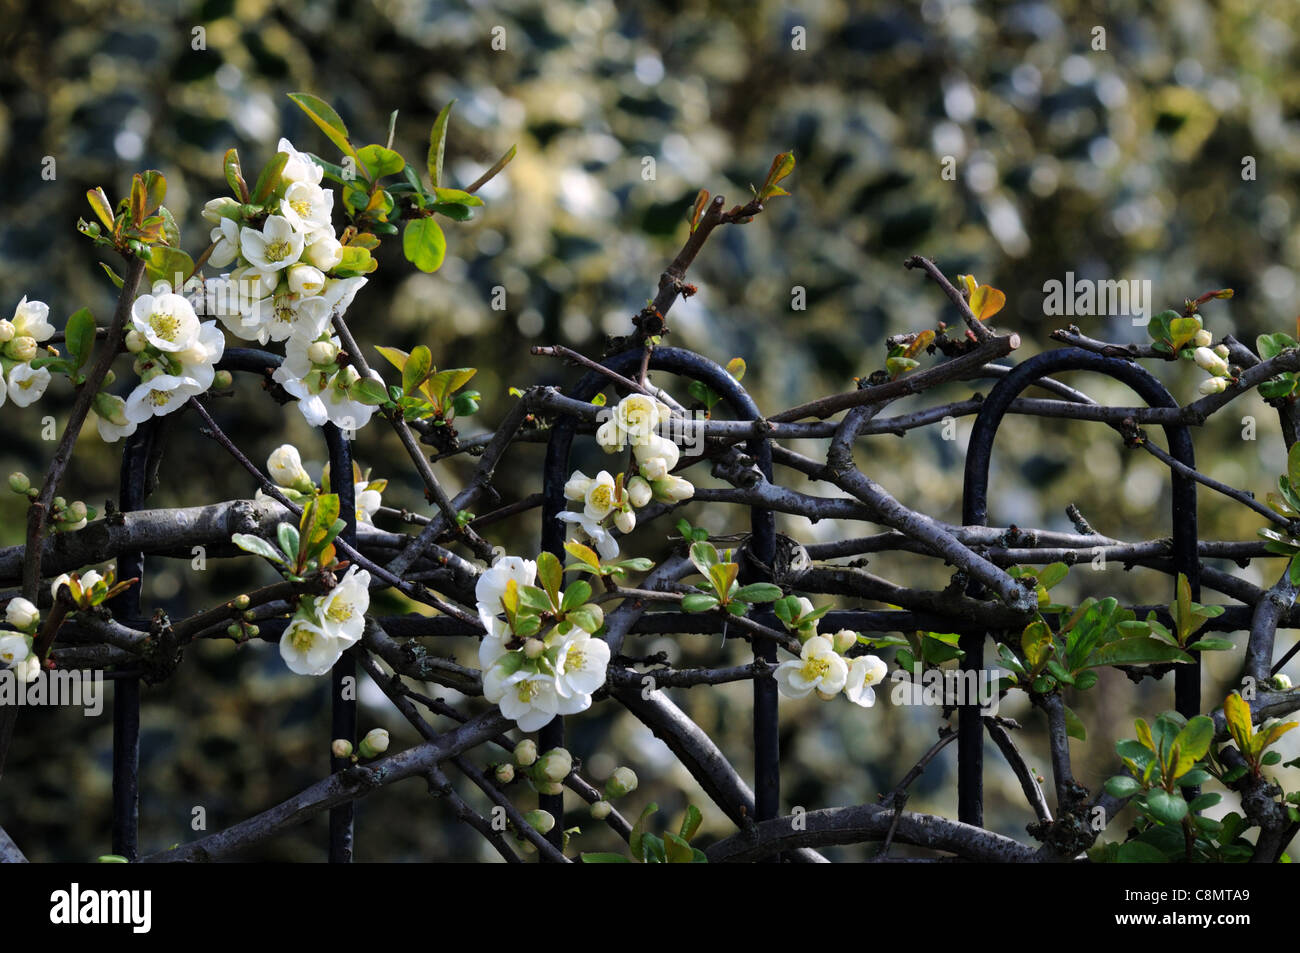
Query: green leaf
[
  {"x": 703, "y": 555},
  {"x": 598, "y": 857},
  {"x": 424, "y": 244},
  {"x": 758, "y": 592},
  {"x": 577, "y": 593},
  {"x": 1271, "y": 345},
  {"x": 165, "y": 263},
  {"x": 584, "y": 554},
  {"x": 1074, "y": 727},
  {"x": 635, "y": 839},
  {"x": 113, "y": 276},
  {"x": 1182, "y": 330},
  {"x": 448, "y": 382},
  {"x": 1237, "y": 714},
  {"x": 698, "y": 602},
  {"x": 691, "y": 822},
  {"x": 380, "y": 161},
  {"x": 395, "y": 356},
  {"x": 551, "y": 575},
  {"x": 1212, "y": 645},
  {"x": 258, "y": 547},
  {"x": 723, "y": 577},
  {"x": 417, "y": 369},
  {"x": 270, "y": 178},
  {"x": 457, "y": 197},
  {"x": 1192, "y": 743},
  {"x": 1136, "y": 852},
  {"x": 368, "y": 391},
  {"x": 1165, "y": 807},
  {"x": 287, "y": 535},
  {"x": 589, "y": 618},
  {"x": 102, "y": 207},
  {"x": 1293, "y": 465},
  {"x": 676, "y": 850},
  {"x": 235, "y": 175},
  {"x": 1138, "y": 651},
  {"x": 80, "y": 336},
  {"x": 324, "y": 116},
  {"x": 438, "y": 145},
  {"x": 1122, "y": 785}
]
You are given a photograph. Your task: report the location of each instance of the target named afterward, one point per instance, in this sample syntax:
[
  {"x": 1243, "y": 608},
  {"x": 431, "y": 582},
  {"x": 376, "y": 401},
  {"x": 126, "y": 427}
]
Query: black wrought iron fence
[{"x": 760, "y": 552}]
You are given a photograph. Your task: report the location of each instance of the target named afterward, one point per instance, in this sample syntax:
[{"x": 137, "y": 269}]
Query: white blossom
[
  {"x": 819, "y": 668},
  {"x": 167, "y": 321},
  {"x": 275, "y": 247},
  {"x": 26, "y": 385},
  {"x": 864, "y": 672}
]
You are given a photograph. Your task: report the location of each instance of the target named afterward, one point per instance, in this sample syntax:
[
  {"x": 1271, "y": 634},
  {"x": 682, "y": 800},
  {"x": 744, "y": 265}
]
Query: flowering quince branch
[{"x": 289, "y": 252}]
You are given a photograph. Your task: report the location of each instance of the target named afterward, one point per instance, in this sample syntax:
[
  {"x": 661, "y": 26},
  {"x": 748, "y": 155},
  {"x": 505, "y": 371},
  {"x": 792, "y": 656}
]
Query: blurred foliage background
[{"x": 1122, "y": 162}]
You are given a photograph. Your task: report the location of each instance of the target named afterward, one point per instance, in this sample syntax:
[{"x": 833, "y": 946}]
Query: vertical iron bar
[
  {"x": 343, "y": 676},
  {"x": 767, "y": 768},
  {"x": 1187, "y": 678},
  {"x": 132, "y": 491}
]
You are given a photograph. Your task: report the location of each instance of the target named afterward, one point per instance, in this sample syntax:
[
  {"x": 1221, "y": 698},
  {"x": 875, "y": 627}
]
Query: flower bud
[
  {"x": 555, "y": 765},
  {"x": 7, "y": 331},
  {"x": 90, "y": 579},
  {"x": 654, "y": 468},
  {"x": 845, "y": 640},
  {"x": 286, "y": 469},
  {"x": 549, "y": 787},
  {"x": 639, "y": 491},
  {"x": 305, "y": 280},
  {"x": 324, "y": 253},
  {"x": 21, "y": 614},
  {"x": 1213, "y": 385},
  {"x": 609, "y": 437},
  {"x": 1207, "y": 360},
  {"x": 217, "y": 209},
  {"x": 241, "y": 601},
  {"x": 505, "y": 773},
  {"x": 601, "y": 810},
  {"x": 374, "y": 743},
  {"x": 1282, "y": 682},
  {"x": 26, "y": 670},
  {"x": 111, "y": 407},
  {"x": 625, "y": 520},
  {"x": 1202, "y": 338},
  {"x": 22, "y": 348},
  {"x": 534, "y": 648},
  {"x": 673, "y": 489},
  {"x": 525, "y": 752},
  {"x": 322, "y": 352},
  {"x": 19, "y": 483},
  {"x": 77, "y": 511},
  {"x": 341, "y": 748},
  {"x": 222, "y": 380},
  {"x": 620, "y": 783},
  {"x": 60, "y": 581},
  {"x": 135, "y": 341},
  {"x": 540, "y": 821},
  {"x": 1221, "y": 350},
  {"x": 577, "y": 486}
]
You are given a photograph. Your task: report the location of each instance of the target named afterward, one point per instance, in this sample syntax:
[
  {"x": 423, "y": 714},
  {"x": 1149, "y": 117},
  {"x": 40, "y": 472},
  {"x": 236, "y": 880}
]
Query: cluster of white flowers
[
  {"x": 20, "y": 339},
  {"x": 175, "y": 358},
  {"x": 324, "y": 627},
  {"x": 16, "y": 646},
  {"x": 607, "y": 499},
  {"x": 823, "y": 668},
  {"x": 1212, "y": 360},
  {"x": 281, "y": 288},
  {"x": 541, "y": 678},
  {"x": 292, "y": 479}
]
